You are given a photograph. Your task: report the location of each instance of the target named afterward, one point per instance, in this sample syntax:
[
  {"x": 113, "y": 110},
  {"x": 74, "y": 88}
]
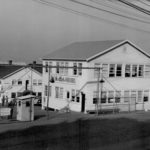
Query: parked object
[{"x": 25, "y": 108}]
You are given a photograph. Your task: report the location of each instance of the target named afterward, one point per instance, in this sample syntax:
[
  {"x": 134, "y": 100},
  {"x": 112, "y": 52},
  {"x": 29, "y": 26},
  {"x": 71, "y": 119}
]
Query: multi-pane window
[
  {"x": 134, "y": 70},
  {"x": 94, "y": 97},
  {"x": 46, "y": 90},
  {"x": 110, "y": 96},
  {"x": 80, "y": 69},
  {"x": 146, "y": 96},
  {"x": 61, "y": 93},
  {"x": 147, "y": 70},
  {"x": 126, "y": 96},
  {"x": 66, "y": 68},
  {"x": 73, "y": 95},
  {"x": 74, "y": 68},
  {"x": 61, "y": 68},
  {"x": 139, "y": 96},
  {"x": 96, "y": 70},
  {"x": 118, "y": 97},
  {"x": 133, "y": 96},
  {"x": 39, "y": 82},
  {"x": 105, "y": 70},
  {"x": 112, "y": 70},
  {"x": 118, "y": 70},
  {"x": 34, "y": 82},
  {"x": 103, "y": 97},
  {"x": 57, "y": 92},
  {"x": 57, "y": 67},
  {"x": 77, "y": 96},
  {"x": 141, "y": 71},
  {"x": 127, "y": 71}
]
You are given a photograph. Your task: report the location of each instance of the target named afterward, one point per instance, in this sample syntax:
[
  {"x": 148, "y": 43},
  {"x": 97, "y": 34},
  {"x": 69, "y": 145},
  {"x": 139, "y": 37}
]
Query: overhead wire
[{"x": 51, "y": 4}]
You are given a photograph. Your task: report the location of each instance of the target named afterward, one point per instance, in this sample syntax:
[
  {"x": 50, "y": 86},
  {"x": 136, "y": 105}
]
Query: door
[{"x": 83, "y": 102}]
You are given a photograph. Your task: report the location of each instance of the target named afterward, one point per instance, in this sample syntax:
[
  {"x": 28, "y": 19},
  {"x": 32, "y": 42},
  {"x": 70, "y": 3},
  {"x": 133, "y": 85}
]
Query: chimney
[{"x": 10, "y": 62}]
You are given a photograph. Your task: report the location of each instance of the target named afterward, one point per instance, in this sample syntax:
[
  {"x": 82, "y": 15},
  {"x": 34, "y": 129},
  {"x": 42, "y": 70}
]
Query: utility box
[{"x": 25, "y": 108}]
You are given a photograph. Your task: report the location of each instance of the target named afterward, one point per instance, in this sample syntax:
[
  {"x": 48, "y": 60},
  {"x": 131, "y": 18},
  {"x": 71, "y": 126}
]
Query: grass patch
[{"x": 78, "y": 135}]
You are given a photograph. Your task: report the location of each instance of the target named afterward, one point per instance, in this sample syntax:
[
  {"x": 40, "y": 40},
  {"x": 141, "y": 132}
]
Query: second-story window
[
  {"x": 127, "y": 71},
  {"x": 66, "y": 69},
  {"x": 57, "y": 67},
  {"x": 119, "y": 70},
  {"x": 134, "y": 71},
  {"x": 74, "y": 68},
  {"x": 141, "y": 71},
  {"x": 112, "y": 70},
  {"x": 34, "y": 82},
  {"x": 80, "y": 69}
]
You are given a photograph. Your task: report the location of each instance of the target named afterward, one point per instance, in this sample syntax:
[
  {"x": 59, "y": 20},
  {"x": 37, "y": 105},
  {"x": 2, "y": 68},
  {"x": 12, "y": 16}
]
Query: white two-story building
[
  {"x": 15, "y": 79},
  {"x": 125, "y": 70}
]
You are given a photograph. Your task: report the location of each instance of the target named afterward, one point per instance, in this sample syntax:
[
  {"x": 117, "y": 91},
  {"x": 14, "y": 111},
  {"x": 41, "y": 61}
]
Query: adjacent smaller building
[{"x": 15, "y": 79}]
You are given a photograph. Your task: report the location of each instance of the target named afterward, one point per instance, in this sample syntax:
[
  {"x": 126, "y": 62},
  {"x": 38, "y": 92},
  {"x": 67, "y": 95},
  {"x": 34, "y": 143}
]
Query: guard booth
[{"x": 25, "y": 108}]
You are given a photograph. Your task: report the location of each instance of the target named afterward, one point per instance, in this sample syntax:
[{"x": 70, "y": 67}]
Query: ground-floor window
[
  {"x": 126, "y": 96},
  {"x": 75, "y": 95}
]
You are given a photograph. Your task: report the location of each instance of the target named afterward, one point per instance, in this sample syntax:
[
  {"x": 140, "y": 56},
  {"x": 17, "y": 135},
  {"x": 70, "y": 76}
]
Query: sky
[{"x": 30, "y": 29}]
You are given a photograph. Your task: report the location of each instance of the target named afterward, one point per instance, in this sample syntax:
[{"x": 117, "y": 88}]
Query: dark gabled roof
[
  {"x": 82, "y": 50},
  {"x": 6, "y": 70},
  {"x": 37, "y": 67}
]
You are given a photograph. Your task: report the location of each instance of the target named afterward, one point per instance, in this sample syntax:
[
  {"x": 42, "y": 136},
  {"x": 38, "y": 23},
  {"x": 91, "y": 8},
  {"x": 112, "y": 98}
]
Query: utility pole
[
  {"x": 48, "y": 91},
  {"x": 98, "y": 78}
]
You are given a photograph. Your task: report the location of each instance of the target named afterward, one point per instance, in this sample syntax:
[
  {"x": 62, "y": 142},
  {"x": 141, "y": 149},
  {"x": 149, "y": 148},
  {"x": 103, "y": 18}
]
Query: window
[
  {"x": 39, "y": 82},
  {"x": 112, "y": 70},
  {"x": 127, "y": 71},
  {"x": 50, "y": 66},
  {"x": 46, "y": 66},
  {"x": 141, "y": 71},
  {"x": 57, "y": 67},
  {"x": 13, "y": 95},
  {"x": 61, "y": 93},
  {"x": 126, "y": 96},
  {"x": 139, "y": 96},
  {"x": 57, "y": 92},
  {"x": 95, "y": 97},
  {"x": 34, "y": 82},
  {"x": 80, "y": 69},
  {"x": 119, "y": 70},
  {"x": 74, "y": 68},
  {"x": 103, "y": 97},
  {"x": 96, "y": 70},
  {"x": 73, "y": 95},
  {"x": 46, "y": 90},
  {"x": 27, "y": 104},
  {"x": 19, "y": 82},
  {"x": 13, "y": 82},
  {"x": 105, "y": 70},
  {"x": 62, "y": 69},
  {"x": 133, "y": 96},
  {"x": 118, "y": 97},
  {"x": 39, "y": 94},
  {"x": 77, "y": 96},
  {"x": 134, "y": 71},
  {"x": 147, "y": 70},
  {"x": 66, "y": 69},
  {"x": 110, "y": 96},
  {"x": 146, "y": 96}
]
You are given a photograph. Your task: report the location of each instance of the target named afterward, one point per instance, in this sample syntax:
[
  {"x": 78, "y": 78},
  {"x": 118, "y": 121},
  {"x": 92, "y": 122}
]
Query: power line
[
  {"x": 116, "y": 8},
  {"x": 108, "y": 11},
  {"x": 51, "y": 4},
  {"x": 135, "y": 7}
]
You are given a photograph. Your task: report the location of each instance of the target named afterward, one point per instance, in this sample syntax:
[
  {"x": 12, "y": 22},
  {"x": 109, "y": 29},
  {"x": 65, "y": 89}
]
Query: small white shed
[{"x": 25, "y": 108}]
